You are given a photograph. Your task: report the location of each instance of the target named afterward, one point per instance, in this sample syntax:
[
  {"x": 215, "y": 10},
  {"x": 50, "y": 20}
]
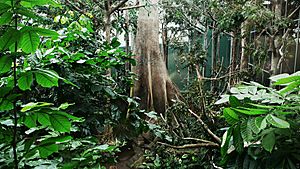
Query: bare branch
[
  {"x": 132, "y": 7},
  {"x": 205, "y": 127},
  {"x": 117, "y": 6},
  {"x": 75, "y": 7}
]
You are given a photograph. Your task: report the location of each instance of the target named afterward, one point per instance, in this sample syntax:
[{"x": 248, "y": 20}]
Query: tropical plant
[
  {"x": 264, "y": 125},
  {"x": 30, "y": 131}
]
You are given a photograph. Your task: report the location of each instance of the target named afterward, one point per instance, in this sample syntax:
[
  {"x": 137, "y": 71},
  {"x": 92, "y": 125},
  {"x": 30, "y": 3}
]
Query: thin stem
[{"x": 15, "y": 103}]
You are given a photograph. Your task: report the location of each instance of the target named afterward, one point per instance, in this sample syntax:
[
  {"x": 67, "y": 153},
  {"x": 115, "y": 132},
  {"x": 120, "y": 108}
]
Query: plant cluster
[{"x": 264, "y": 125}]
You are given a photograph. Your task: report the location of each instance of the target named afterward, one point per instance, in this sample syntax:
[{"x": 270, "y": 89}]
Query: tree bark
[
  {"x": 107, "y": 20},
  {"x": 154, "y": 87},
  {"x": 244, "y": 56},
  {"x": 274, "y": 42}
]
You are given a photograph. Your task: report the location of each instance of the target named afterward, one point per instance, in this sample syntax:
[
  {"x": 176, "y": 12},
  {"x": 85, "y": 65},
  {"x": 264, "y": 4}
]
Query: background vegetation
[{"x": 67, "y": 85}]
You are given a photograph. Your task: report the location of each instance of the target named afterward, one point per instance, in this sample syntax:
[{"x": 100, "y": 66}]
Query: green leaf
[
  {"x": 6, "y": 105},
  {"x": 5, "y": 18},
  {"x": 294, "y": 85},
  {"x": 25, "y": 81},
  {"x": 234, "y": 102},
  {"x": 43, "y": 119},
  {"x": 4, "y": 91},
  {"x": 262, "y": 106},
  {"x": 46, "y": 78},
  {"x": 47, "y": 150},
  {"x": 55, "y": 140},
  {"x": 29, "y": 41},
  {"x": 4, "y": 7},
  {"x": 32, "y": 3},
  {"x": 268, "y": 142},
  {"x": 30, "y": 120},
  {"x": 65, "y": 106},
  {"x": 27, "y": 13},
  {"x": 60, "y": 123},
  {"x": 261, "y": 122},
  {"x": 5, "y": 64},
  {"x": 287, "y": 80},
  {"x": 225, "y": 142},
  {"x": 66, "y": 115},
  {"x": 46, "y": 32},
  {"x": 253, "y": 126},
  {"x": 230, "y": 116},
  {"x": 115, "y": 43},
  {"x": 238, "y": 140},
  {"x": 277, "y": 122},
  {"x": 9, "y": 37},
  {"x": 246, "y": 131},
  {"x": 250, "y": 111},
  {"x": 31, "y": 106}
]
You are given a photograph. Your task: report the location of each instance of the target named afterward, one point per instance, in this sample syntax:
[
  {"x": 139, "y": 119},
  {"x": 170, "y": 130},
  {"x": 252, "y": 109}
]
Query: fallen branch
[
  {"x": 205, "y": 127},
  {"x": 186, "y": 146},
  {"x": 197, "y": 139}
]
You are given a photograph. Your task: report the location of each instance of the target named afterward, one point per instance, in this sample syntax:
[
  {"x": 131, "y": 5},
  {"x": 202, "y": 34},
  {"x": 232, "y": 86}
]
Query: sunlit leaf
[
  {"x": 277, "y": 122},
  {"x": 30, "y": 41}
]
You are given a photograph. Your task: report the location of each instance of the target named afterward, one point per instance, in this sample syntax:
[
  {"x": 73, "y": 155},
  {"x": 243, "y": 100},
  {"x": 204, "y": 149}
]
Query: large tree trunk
[{"x": 153, "y": 87}]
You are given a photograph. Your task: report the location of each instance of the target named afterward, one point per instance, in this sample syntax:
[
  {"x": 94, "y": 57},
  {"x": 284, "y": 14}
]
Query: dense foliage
[{"x": 66, "y": 90}]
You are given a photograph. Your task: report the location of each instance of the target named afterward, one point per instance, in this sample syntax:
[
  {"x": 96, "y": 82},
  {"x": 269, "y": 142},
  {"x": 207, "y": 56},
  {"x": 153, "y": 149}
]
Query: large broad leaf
[
  {"x": 253, "y": 126},
  {"x": 4, "y": 91},
  {"x": 46, "y": 78},
  {"x": 237, "y": 139},
  {"x": 234, "y": 102},
  {"x": 29, "y": 41},
  {"x": 32, "y": 3},
  {"x": 30, "y": 120},
  {"x": 5, "y": 18},
  {"x": 230, "y": 116},
  {"x": 268, "y": 142},
  {"x": 6, "y": 105},
  {"x": 46, "y": 32},
  {"x": 43, "y": 119},
  {"x": 261, "y": 122},
  {"x": 246, "y": 131},
  {"x": 27, "y": 13},
  {"x": 5, "y": 64},
  {"x": 291, "y": 87},
  {"x": 25, "y": 81},
  {"x": 250, "y": 111},
  {"x": 9, "y": 37},
  {"x": 277, "y": 122},
  {"x": 47, "y": 150},
  {"x": 287, "y": 80},
  {"x": 60, "y": 123},
  {"x": 4, "y": 7}
]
